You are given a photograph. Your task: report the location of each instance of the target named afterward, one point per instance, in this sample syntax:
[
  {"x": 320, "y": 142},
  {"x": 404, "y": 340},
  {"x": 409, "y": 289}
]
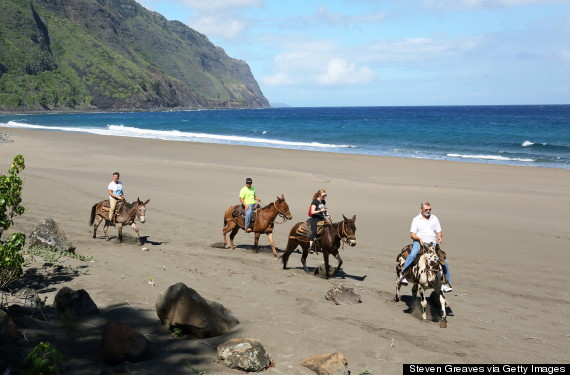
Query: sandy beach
[{"x": 505, "y": 232}]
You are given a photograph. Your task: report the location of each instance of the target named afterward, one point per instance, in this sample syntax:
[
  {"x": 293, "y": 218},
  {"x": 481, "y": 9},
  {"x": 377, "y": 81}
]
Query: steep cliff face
[{"x": 113, "y": 55}]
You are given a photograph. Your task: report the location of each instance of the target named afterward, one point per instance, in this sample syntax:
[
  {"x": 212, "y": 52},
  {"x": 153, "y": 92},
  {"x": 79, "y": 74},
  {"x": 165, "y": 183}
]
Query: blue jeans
[
  {"x": 414, "y": 253},
  {"x": 248, "y": 214}
]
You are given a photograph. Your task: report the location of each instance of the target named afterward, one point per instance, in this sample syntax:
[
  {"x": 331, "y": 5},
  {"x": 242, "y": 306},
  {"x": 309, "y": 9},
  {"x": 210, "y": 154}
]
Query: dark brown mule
[
  {"x": 125, "y": 215},
  {"x": 329, "y": 242},
  {"x": 264, "y": 222}
]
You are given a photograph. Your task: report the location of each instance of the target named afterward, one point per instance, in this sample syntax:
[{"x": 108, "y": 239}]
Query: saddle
[
  {"x": 239, "y": 213},
  {"x": 105, "y": 207},
  {"x": 304, "y": 230}
]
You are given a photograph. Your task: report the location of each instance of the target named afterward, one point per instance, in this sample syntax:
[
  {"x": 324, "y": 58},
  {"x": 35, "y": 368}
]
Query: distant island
[{"x": 87, "y": 55}]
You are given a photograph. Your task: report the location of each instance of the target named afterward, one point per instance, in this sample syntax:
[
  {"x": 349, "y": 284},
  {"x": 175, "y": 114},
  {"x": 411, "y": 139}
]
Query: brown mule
[
  {"x": 329, "y": 242},
  {"x": 264, "y": 222},
  {"x": 126, "y": 214}
]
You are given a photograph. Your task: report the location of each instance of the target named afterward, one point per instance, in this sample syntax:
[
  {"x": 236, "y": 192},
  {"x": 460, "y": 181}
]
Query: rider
[
  {"x": 425, "y": 229},
  {"x": 248, "y": 198},
  {"x": 317, "y": 213},
  {"x": 116, "y": 194}
]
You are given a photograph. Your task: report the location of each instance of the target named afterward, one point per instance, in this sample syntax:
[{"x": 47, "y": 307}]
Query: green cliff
[{"x": 113, "y": 55}]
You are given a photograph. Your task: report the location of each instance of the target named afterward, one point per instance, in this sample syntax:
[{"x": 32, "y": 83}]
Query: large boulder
[
  {"x": 120, "y": 343},
  {"x": 327, "y": 364},
  {"x": 341, "y": 295},
  {"x": 49, "y": 234},
  {"x": 75, "y": 302},
  {"x": 244, "y": 355},
  {"x": 183, "y": 308}
]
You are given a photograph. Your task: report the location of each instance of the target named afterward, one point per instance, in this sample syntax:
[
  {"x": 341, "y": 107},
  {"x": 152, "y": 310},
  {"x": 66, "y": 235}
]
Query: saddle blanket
[{"x": 304, "y": 230}]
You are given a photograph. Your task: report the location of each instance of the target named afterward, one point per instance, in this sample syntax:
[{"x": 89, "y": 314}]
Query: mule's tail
[{"x": 93, "y": 214}]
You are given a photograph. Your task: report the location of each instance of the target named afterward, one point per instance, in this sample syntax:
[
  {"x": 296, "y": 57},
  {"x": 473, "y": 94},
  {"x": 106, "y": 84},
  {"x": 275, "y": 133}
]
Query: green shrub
[
  {"x": 11, "y": 261},
  {"x": 44, "y": 359}
]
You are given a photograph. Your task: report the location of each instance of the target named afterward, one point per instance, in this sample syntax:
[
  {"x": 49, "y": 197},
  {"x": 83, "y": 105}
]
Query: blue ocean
[{"x": 524, "y": 135}]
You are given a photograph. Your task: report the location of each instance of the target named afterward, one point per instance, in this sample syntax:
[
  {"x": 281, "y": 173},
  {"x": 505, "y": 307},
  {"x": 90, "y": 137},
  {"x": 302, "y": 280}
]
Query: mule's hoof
[
  {"x": 396, "y": 299},
  {"x": 442, "y": 324}
]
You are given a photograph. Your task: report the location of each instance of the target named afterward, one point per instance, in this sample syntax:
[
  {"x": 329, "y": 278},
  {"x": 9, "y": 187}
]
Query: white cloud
[
  {"x": 482, "y": 4},
  {"x": 220, "y": 27},
  {"x": 220, "y": 4},
  {"x": 339, "y": 71}
]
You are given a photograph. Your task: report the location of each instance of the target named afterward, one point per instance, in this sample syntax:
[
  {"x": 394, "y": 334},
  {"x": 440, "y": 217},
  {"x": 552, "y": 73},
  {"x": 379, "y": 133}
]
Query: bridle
[
  {"x": 280, "y": 213},
  {"x": 428, "y": 269},
  {"x": 340, "y": 232}
]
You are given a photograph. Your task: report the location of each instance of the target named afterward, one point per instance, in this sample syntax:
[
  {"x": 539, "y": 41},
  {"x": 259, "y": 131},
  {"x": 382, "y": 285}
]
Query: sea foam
[{"x": 489, "y": 157}]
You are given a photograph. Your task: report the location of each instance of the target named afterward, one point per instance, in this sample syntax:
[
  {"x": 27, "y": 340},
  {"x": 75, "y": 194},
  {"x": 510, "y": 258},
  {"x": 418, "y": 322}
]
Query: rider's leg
[
  {"x": 248, "y": 213},
  {"x": 447, "y": 286},
  {"x": 446, "y": 272},
  {"x": 313, "y": 223},
  {"x": 112, "y": 205},
  {"x": 416, "y": 246},
  {"x": 413, "y": 254}
]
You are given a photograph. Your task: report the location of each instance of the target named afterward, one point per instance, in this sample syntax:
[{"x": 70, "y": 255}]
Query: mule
[
  {"x": 264, "y": 222},
  {"x": 426, "y": 273},
  {"x": 329, "y": 242},
  {"x": 126, "y": 214}
]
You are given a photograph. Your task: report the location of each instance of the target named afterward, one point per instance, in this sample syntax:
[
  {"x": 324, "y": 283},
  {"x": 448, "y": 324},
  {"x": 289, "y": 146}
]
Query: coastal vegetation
[
  {"x": 11, "y": 260},
  {"x": 113, "y": 55}
]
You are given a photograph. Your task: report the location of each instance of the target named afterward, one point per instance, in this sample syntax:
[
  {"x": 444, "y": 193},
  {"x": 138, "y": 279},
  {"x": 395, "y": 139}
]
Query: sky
[{"x": 307, "y": 53}]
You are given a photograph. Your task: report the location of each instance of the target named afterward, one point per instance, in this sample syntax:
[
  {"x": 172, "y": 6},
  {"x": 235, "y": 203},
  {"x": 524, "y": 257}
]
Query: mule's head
[
  {"x": 283, "y": 208},
  {"x": 141, "y": 209},
  {"x": 433, "y": 267},
  {"x": 349, "y": 230}
]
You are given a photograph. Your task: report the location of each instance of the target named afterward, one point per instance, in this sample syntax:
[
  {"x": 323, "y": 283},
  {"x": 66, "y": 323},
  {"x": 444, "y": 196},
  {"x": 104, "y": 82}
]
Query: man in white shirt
[
  {"x": 116, "y": 194},
  {"x": 425, "y": 229}
]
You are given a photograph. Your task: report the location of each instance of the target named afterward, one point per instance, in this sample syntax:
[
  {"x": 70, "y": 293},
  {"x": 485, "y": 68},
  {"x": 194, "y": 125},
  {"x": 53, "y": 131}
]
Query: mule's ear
[
  {"x": 282, "y": 197},
  {"x": 139, "y": 200},
  {"x": 344, "y": 217},
  {"x": 354, "y": 219},
  {"x": 145, "y": 202}
]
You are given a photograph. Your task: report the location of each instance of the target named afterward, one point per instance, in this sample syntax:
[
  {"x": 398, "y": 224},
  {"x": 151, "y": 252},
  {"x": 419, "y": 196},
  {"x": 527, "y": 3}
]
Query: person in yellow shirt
[{"x": 248, "y": 199}]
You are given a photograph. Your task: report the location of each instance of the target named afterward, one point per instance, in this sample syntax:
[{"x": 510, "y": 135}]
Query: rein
[{"x": 340, "y": 232}]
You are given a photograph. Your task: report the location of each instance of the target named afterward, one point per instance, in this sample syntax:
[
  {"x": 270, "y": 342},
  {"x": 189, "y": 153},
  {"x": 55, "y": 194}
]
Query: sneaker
[
  {"x": 403, "y": 280},
  {"x": 446, "y": 288},
  {"x": 248, "y": 230}
]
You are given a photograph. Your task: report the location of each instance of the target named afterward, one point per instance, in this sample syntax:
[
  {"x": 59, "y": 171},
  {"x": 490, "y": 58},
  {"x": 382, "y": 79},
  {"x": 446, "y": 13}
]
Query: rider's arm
[
  {"x": 113, "y": 195},
  {"x": 439, "y": 237},
  {"x": 416, "y": 238},
  {"x": 313, "y": 209}
]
